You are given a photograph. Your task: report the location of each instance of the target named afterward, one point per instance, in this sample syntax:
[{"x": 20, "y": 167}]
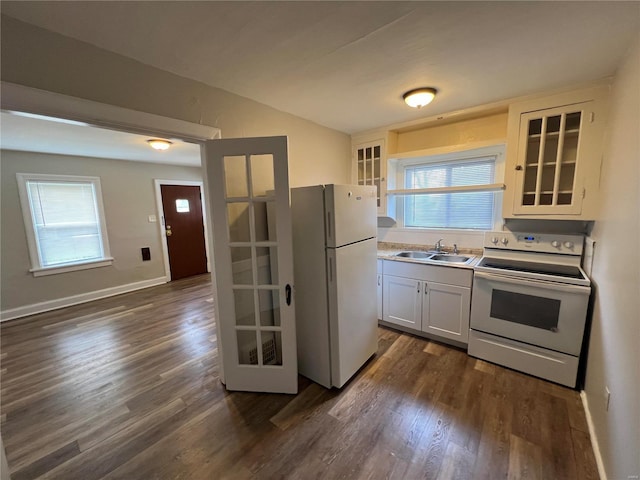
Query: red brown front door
[{"x": 182, "y": 208}]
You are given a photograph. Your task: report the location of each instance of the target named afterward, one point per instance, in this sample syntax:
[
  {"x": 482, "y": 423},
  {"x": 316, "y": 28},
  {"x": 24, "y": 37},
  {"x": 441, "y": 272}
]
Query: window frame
[
  {"x": 37, "y": 269},
  {"x": 496, "y": 151}
]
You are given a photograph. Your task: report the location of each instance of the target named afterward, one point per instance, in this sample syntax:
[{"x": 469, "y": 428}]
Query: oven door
[{"x": 547, "y": 314}]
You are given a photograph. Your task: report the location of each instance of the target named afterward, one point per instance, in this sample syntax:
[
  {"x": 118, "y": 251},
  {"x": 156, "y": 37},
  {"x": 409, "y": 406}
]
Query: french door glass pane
[
  {"x": 269, "y": 301},
  {"x": 238, "y": 217},
  {"x": 247, "y": 347},
  {"x": 271, "y": 348},
  {"x": 241, "y": 266},
  {"x": 245, "y": 310},
  {"x": 267, "y": 265},
  {"x": 235, "y": 177},
  {"x": 250, "y": 186},
  {"x": 262, "y": 179}
]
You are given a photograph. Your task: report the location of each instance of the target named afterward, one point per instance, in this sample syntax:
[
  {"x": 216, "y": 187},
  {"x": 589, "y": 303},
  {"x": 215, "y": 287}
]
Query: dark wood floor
[{"x": 127, "y": 388}]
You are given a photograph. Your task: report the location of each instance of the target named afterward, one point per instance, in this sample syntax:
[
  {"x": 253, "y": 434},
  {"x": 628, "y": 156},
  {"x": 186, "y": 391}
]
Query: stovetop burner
[
  {"x": 566, "y": 271},
  {"x": 545, "y": 257}
]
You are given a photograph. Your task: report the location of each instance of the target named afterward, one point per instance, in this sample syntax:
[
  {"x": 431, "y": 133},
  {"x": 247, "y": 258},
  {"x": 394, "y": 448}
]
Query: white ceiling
[
  {"x": 45, "y": 136},
  {"x": 346, "y": 64}
]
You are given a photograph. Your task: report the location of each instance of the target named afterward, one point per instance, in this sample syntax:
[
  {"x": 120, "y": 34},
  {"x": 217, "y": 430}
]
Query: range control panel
[{"x": 535, "y": 242}]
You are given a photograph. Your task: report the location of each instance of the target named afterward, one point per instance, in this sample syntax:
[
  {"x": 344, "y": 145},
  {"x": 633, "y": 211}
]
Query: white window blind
[
  {"x": 469, "y": 210},
  {"x": 65, "y": 222}
]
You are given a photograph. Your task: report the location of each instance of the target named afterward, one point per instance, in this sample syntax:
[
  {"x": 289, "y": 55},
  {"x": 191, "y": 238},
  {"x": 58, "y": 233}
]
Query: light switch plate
[{"x": 152, "y": 219}]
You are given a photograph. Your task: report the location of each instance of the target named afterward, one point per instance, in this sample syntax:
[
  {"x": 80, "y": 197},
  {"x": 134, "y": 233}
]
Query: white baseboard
[
  {"x": 594, "y": 438},
  {"x": 32, "y": 309}
]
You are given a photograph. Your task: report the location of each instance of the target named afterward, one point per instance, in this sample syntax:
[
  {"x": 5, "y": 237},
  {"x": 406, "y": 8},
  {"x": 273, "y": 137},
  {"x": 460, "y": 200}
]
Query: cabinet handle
[
  {"x": 418, "y": 287},
  {"x": 426, "y": 290},
  {"x": 518, "y": 167},
  {"x": 379, "y": 280}
]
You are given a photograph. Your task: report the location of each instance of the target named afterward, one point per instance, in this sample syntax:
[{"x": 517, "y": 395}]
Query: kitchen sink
[
  {"x": 413, "y": 254},
  {"x": 451, "y": 258},
  {"x": 436, "y": 257}
]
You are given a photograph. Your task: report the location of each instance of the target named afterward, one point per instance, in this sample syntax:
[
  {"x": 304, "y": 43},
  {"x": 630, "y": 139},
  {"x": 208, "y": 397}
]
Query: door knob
[{"x": 169, "y": 233}]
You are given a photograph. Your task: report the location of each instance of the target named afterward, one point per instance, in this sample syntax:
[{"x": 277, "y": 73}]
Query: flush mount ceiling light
[
  {"x": 419, "y": 97},
  {"x": 159, "y": 144}
]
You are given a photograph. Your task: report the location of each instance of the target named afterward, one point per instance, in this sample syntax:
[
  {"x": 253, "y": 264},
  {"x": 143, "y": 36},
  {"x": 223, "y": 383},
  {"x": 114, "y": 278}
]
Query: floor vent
[{"x": 249, "y": 354}]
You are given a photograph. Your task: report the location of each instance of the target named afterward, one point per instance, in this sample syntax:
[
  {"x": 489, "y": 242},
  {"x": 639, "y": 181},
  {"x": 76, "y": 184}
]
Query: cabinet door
[
  {"x": 370, "y": 169},
  {"x": 379, "y": 297},
  {"x": 549, "y": 176},
  {"x": 445, "y": 311},
  {"x": 402, "y": 301}
]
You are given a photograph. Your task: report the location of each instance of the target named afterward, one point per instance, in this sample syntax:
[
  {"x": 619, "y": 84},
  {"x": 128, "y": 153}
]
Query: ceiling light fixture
[
  {"x": 159, "y": 144},
  {"x": 419, "y": 97}
]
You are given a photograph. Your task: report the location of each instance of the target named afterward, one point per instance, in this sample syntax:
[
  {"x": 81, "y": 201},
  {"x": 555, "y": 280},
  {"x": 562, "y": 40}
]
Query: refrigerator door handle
[
  {"x": 287, "y": 291},
  {"x": 328, "y": 225}
]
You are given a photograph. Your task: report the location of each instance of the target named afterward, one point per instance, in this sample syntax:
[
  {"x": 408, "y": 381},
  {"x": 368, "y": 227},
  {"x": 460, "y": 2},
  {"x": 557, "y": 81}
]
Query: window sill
[{"x": 41, "y": 272}]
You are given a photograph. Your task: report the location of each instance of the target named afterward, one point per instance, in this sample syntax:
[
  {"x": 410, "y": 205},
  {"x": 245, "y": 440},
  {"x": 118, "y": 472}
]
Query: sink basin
[
  {"x": 414, "y": 254},
  {"x": 451, "y": 258}
]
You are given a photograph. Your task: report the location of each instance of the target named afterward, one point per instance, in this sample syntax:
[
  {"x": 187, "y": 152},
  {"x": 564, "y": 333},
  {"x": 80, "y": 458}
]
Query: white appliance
[
  {"x": 334, "y": 255},
  {"x": 529, "y": 306}
]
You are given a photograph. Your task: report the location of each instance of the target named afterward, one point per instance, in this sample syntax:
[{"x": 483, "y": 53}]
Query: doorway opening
[{"x": 83, "y": 114}]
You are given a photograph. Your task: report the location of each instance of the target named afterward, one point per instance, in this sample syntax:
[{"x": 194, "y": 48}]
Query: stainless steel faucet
[
  {"x": 455, "y": 248},
  {"x": 438, "y": 245}
]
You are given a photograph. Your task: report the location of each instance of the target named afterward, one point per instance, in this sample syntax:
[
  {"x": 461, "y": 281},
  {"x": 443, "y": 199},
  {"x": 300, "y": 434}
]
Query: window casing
[
  {"x": 64, "y": 222},
  {"x": 454, "y": 191}
]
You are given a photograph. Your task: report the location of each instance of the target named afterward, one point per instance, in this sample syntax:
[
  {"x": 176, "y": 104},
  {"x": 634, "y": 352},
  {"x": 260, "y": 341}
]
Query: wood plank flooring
[{"x": 128, "y": 388}]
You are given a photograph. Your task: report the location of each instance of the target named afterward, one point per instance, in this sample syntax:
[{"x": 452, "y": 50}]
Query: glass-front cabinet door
[
  {"x": 548, "y": 170},
  {"x": 248, "y": 188},
  {"x": 370, "y": 169}
]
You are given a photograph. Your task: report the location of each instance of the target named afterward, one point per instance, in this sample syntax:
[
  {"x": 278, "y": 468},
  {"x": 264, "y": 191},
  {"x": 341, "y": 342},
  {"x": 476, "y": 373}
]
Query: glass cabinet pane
[
  {"x": 369, "y": 166},
  {"x": 550, "y": 159}
]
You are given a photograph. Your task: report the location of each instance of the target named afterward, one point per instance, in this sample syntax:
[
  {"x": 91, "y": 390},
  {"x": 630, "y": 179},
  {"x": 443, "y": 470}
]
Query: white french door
[{"x": 248, "y": 189}]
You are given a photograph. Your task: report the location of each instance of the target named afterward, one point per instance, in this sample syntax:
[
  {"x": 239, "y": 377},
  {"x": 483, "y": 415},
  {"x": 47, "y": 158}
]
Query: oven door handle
[{"x": 561, "y": 287}]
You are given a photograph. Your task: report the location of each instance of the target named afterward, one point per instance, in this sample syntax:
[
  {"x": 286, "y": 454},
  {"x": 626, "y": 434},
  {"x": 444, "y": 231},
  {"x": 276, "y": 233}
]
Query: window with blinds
[
  {"x": 467, "y": 210},
  {"x": 65, "y": 221}
]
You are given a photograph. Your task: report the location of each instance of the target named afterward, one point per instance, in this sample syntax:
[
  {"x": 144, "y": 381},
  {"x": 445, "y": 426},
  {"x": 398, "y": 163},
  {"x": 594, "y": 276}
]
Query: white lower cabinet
[
  {"x": 445, "y": 311},
  {"x": 402, "y": 301},
  {"x": 413, "y": 300}
]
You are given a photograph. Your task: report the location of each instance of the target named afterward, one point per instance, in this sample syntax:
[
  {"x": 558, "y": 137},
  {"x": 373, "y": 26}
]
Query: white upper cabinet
[
  {"x": 554, "y": 152},
  {"x": 369, "y": 168}
]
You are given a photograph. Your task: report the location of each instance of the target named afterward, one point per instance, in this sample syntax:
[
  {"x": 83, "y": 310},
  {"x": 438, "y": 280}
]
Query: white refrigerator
[{"x": 334, "y": 255}]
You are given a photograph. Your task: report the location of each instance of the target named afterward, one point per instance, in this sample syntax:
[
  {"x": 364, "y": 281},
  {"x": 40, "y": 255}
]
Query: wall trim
[
  {"x": 41, "y": 307},
  {"x": 594, "y": 439}
]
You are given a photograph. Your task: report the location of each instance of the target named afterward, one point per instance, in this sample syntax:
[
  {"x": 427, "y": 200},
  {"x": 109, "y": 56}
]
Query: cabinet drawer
[
  {"x": 554, "y": 366},
  {"x": 431, "y": 273}
]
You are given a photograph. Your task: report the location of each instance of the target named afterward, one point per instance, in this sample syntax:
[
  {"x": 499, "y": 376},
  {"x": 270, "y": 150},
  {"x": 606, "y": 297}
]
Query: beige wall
[
  {"x": 128, "y": 193},
  {"x": 614, "y": 353},
  {"x": 37, "y": 58},
  {"x": 483, "y": 129}
]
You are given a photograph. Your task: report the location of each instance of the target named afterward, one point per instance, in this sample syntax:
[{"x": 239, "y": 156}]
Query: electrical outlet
[{"x": 607, "y": 398}]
